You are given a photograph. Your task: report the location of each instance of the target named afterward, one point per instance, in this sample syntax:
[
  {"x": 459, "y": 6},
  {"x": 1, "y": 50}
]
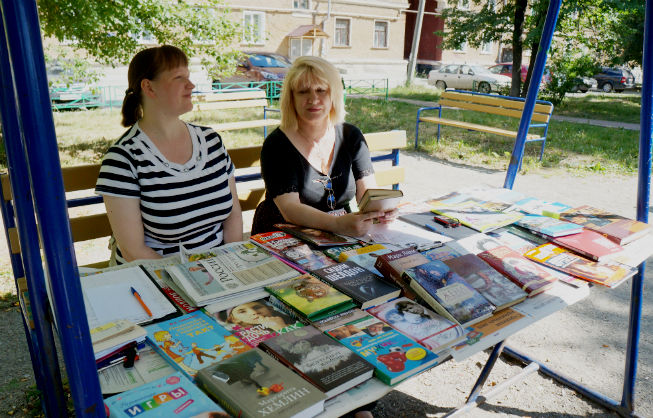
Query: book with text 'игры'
[{"x": 253, "y": 385}]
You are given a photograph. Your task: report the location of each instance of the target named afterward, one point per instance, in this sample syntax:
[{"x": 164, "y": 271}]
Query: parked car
[
  {"x": 505, "y": 68},
  {"x": 615, "y": 79},
  {"x": 259, "y": 66},
  {"x": 583, "y": 84},
  {"x": 467, "y": 77}
]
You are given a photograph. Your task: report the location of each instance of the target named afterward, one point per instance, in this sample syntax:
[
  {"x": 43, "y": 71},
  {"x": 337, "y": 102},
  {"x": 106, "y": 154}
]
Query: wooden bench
[
  {"x": 236, "y": 99},
  {"x": 81, "y": 179},
  {"x": 492, "y": 104}
]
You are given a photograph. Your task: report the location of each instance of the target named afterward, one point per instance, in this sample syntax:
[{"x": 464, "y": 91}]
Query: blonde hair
[{"x": 311, "y": 70}]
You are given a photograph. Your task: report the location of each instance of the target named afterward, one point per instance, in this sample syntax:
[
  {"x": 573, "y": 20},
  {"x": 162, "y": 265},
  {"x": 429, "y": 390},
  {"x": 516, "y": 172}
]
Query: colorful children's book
[
  {"x": 366, "y": 256},
  {"x": 316, "y": 237},
  {"x": 293, "y": 249},
  {"x": 310, "y": 297},
  {"x": 589, "y": 244},
  {"x": 237, "y": 268},
  {"x": 548, "y": 226},
  {"x": 606, "y": 273},
  {"x": 193, "y": 341},
  {"x": 253, "y": 385},
  {"x": 334, "y": 252},
  {"x": 445, "y": 252},
  {"x": 170, "y": 396},
  {"x": 365, "y": 287},
  {"x": 327, "y": 364},
  {"x": 448, "y": 293},
  {"x": 537, "y": 206},
  {"x": 494, "y": 286},
  {"x": 617, "y": 228},
  {"x": 255, "y": 321},
  {"x": 521, "y": 271},
  {"x": 419, "y": 323},
  {"x": 394, "y": 356}
]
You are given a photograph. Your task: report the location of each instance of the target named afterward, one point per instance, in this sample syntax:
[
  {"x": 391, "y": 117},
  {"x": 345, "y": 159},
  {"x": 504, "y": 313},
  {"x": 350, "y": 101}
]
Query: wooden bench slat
[
  {"x": 244, "y": 157},
  {"x": 495, "y": 101},
  {"x": 382, "y": 141},
  {"x": 250, "y": 199},
  {"x": 226, "y": 96},
  {"x": 390, "y": 176},
  {"x": 244, "y": 124},
  {"x": 474, "y": 126},
  {"x": 538, "y": 117},
  {"x": 6, "y": 187},
  {"x": 84, "y": 228},
  {"x": 239, "y": 104},
  {"x": 81, "y": 177},
  {"x": 14, "y": 242}
]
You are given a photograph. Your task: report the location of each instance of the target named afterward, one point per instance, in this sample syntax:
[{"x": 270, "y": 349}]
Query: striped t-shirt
[{"x": 180, "y": 203}]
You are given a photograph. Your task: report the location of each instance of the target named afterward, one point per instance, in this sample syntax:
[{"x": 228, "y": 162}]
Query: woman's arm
[
  {"x": 127, "y": 226},
  {"x": 293, "y": 211},
  {"x": 233, "y": 225},
  {"x": 362, "y": 184}
]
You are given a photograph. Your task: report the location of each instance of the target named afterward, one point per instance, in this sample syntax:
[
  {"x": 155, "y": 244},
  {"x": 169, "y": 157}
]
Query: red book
[
  {"x": 588, "y": 243},
  {"x": 530, "y": 277},
  {"x": 392, "y": 265},
  {"x": 616, "y": 228}
]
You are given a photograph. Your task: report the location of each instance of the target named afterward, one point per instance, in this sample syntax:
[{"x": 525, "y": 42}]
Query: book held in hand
[
  {"x": 419, "y": 323},
  {"x": 310, "y": 297},
  {"x": 524, "y": 273},
  {"x": 253, "y": 385},
  {"x": 193, "y": 341},
  {"x": 255, "y": 321},
  {"x": 606, "y": 273},
  {"x": 448, "y": 293},
  {"x": 494, "y": 286},
  {"x": 617, "y": 228},
  {"x": 170, "y": 396},
  {"x": 380, "y": 200},
  {"x": 327, "y": 364},
  {"x": 395, "y": 356},
  {"x": 365, "y": 287}
]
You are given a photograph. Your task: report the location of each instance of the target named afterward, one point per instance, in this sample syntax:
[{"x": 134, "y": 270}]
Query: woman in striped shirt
[{"x": 166, "y": 182}]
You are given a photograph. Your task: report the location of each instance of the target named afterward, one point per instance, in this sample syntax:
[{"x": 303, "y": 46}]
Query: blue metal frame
[
  {"x": 517, "y": 99},
  {"x": 29, "y": 137}
]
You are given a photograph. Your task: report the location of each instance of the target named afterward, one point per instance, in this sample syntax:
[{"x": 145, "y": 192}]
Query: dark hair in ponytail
[{"x": 146, "y": 65}]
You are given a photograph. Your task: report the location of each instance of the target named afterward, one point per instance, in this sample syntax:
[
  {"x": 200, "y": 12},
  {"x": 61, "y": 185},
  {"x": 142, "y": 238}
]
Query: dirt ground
[{"x": 586, "y": 341}]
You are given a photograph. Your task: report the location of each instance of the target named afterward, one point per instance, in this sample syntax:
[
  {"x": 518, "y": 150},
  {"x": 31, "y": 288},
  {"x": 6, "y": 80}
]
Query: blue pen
[{"x": 431, "y": 228}]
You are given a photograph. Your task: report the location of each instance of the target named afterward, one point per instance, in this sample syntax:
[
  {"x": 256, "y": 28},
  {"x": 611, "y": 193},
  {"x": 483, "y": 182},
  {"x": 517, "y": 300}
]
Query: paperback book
[
  {"x": 607, "y": 273},
  {"x": 334, "y": 252},
  {"x": 617, "y": 228},
  {"x": 419, "y": 323},
  {"x": 514, "y": 238},
  {"x": 170, "y": 396},
  {"x": 193, "y": 341},
  {"x": 255, "y": 321},
  {"x": 445, "y": 252},
  {"x": 364, "y": 287},
  {"x": 293, "y": 249},
  {"x": 589, "y": 244},
  {"x": 253, "y": 384},
  {"x": 324, "y": 362},
  {"x": 393, "y": 265},
  {"x": 549, "y": 226},
  {"x": 521, "y": 271},
  {"x": 537, "y": 206},
  {"x": 494, "y": 286},
  {"x": 316, "y": 237},
  {"x": 310, "y": 297},
  {"x": 380, "y": 200},
  {"x": 394, "y": 356},
  {"x": 177, "y": 296},
  {"x": 237, "y": 267},
  {"x": 448, "y": 293},
  {"x": 366, "y": 256},
  {"x": 478, "y": 215}
]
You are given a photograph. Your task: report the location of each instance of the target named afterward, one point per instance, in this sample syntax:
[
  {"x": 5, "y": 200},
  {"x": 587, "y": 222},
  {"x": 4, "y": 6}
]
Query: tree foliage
[{"x": 108, "y": 30}]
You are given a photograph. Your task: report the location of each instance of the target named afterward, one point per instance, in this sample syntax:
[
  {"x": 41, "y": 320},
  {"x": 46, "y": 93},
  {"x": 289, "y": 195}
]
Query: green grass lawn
[{"x": 614, "y": 107}]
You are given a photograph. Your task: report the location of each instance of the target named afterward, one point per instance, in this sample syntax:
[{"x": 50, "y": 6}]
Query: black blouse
[{"x": 285, "y": 170}]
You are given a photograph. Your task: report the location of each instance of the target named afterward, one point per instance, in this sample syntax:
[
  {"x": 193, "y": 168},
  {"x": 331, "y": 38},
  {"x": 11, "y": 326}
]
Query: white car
[{"x": 467, "y": 77}]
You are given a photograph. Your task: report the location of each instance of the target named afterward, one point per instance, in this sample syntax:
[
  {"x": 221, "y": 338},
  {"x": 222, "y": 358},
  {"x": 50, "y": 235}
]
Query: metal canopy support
[{"x": 36, "y": 144}]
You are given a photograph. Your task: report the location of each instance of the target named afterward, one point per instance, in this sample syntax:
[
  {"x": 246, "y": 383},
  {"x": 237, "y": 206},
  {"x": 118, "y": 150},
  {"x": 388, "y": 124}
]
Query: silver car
[{"x": 467, "y": 77}]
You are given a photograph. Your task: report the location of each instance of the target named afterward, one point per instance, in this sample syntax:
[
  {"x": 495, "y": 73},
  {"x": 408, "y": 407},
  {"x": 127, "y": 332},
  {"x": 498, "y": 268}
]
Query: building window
[
  {"x": 342, "y": 32},
  {"x": 486, "y": 48},
  {"x": 300, "y": 47},
  {"x": 380, "y": 34},
  {"x": 301, "y": 4},
  {"x": 253, "y": 27}
]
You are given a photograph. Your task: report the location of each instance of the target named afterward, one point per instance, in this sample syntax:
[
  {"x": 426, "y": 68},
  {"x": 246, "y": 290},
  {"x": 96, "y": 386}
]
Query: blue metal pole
[
  {"x": 643, "y": 193},
  {"x": 40, "y": 340},
  {"x": 26, "y": 54},
  {"x": 533, "y": 88}
]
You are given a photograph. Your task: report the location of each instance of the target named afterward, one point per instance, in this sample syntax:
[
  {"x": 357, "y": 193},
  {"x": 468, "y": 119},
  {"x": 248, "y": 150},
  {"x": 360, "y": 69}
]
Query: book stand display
[{"x": 32, "y": 154}]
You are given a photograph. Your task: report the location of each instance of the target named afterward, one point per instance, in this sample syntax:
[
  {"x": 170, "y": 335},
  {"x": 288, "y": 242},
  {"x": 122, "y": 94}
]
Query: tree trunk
[
  {"x": 535, "y": 48},
  {"x": 517, "y": 46}
]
